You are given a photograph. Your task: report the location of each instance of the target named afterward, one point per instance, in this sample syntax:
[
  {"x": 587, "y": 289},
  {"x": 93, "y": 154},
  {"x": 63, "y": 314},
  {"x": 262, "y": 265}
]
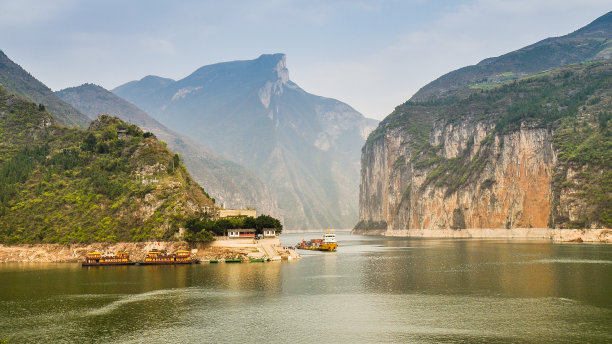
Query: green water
[{"x": 372, "y": 290}]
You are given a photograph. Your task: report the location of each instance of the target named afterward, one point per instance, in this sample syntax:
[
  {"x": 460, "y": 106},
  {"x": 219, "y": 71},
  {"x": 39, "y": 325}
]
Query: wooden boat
[
  {"x": 233, "y": 260},
  {"x": 214, "y": 261},
  {"x": 162, "y": 257},
  {"x": 257, "y": 260},
  {"x": 99, "y": 259}
]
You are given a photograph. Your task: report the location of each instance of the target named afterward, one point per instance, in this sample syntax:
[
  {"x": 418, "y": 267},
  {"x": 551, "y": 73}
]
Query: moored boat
[
  {"x": 327, "y": 243},
  {"x": 162, "y": 257},
  {"x": 233, "y": 260},
  {"x": 99, "y": 259}
]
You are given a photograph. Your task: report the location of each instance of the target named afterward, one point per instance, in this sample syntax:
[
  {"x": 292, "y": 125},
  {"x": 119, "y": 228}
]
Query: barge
[
  {"x": 98, "y": 259},
  {"x": 162, "y": 257},
  {"x": 327, "y": 243}
]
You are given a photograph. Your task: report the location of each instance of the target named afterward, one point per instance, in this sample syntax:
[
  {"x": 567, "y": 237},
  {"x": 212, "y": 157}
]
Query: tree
[
  {"x": 266, "y": 221},
  {"x": 90, "y": 143},
  {"x": 175, "y": 162}
]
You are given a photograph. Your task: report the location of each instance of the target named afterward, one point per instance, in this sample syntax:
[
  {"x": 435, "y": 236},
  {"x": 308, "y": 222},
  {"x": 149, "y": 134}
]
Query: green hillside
[{"x": 111, "y": 182}]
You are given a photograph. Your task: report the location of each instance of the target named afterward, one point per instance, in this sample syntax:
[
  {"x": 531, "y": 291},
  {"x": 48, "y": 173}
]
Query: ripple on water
[{"x": 571, "y": 261}]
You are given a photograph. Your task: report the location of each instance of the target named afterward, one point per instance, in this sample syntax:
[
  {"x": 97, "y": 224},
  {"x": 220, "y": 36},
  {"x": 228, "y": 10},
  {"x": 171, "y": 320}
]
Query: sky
[{"x": 373, "y": 55}]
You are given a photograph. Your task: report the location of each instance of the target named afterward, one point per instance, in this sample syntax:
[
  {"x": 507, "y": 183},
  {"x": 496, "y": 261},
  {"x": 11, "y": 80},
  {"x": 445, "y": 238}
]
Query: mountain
[
  {"x": 16, "y": 80},
  {"x": 111, "y": 182},
  {"x": 139, "y": 90},
  {"x": 230, "y": 184},
  {"x": 534, "y": 152},
  {"x": 590, "y": 43},
  {"x": 304, "y": 147}
]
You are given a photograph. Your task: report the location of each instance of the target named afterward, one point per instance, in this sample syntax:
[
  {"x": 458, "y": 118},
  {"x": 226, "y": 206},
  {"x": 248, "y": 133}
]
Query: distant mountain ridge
[
  {"x": 590, "y": 43},
  {"x": 305, "y": 148},
  {"x": 16, "y": 80},
  {"x": 230, "y": 184}
]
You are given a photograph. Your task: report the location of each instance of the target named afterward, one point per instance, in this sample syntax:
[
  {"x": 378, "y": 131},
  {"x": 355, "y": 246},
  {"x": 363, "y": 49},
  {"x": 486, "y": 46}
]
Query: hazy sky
[{"x": 372, "y": 55}]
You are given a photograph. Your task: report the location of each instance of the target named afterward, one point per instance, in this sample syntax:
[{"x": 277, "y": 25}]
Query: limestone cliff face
[
  {"x": 532, "y": 153},
  {"x": 512, "y": 190}
]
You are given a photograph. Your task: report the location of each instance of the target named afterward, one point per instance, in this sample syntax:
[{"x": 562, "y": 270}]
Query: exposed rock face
[
  {"x": 473, "y": 153},
  {"x": 513, "y": 190}
]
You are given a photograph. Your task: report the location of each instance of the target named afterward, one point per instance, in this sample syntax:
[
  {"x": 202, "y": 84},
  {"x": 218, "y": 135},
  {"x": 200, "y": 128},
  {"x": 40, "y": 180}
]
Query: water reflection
[{"x": 371, "y": 290}]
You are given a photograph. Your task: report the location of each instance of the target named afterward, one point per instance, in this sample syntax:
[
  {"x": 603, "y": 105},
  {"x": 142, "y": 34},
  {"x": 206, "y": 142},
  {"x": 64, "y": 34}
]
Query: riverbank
[
  {"x": 556, "y": 235},
  {"x": 220, "y": 249}
]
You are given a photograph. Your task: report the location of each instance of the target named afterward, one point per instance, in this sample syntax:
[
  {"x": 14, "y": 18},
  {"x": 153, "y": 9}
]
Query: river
[{"x": 374, "y": 289}]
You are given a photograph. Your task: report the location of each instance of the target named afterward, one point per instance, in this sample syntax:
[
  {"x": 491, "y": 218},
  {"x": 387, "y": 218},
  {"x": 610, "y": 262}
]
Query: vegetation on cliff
[{"x": 111, "y": 182}]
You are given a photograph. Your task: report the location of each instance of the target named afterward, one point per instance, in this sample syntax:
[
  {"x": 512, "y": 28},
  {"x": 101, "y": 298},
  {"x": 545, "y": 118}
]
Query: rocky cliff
[{"x": 531, "y": 153}]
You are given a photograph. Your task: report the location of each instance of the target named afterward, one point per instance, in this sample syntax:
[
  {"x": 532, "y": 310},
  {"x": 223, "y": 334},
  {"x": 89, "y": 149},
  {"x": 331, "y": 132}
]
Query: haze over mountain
[
  {"x": 589, "y": 43},
  {"x": 478, "y": 149},
  {"x": 306, "y": 148},
  {"x": 230, "y": 184},
  {"x": 18, "y": 81}
]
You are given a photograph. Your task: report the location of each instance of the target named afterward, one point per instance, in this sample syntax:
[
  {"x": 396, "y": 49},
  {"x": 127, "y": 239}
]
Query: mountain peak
[
  {"x": 278, "y": 62},
  {"x": 267, "y": 67}
]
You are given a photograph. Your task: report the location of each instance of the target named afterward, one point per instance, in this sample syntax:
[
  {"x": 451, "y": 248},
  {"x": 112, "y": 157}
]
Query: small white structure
[
  {"x": 269, "y": 232},
  {"x": 241, "y": 233}
]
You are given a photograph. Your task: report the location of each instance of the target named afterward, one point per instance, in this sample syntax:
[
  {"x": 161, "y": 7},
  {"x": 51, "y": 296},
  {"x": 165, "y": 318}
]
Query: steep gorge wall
[{"x": 512, "y": 189}]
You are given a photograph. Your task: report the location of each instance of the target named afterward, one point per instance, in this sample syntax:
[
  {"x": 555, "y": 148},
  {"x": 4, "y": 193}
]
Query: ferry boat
[
  {"x": 162, "y": 257},
  {"x": 328, "y": 243},
  {"x": 98, "y": 259}
]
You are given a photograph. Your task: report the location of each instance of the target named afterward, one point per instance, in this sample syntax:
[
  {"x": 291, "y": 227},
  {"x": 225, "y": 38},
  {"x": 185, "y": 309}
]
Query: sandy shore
[
  {"x": 556, "y": 235},
  {"x": 222, "y": 249}
]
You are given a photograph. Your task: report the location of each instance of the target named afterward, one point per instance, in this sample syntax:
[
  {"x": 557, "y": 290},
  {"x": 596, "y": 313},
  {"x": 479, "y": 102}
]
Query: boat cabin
[
  {"x": 156, "y": 255},
  {"x": 329, "y": 238},
  {"x": 183, "y": 255},
  {"x": 93, "y": 257}
]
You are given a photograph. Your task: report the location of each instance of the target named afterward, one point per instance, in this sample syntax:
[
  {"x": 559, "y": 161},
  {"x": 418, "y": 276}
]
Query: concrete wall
[{"x": 237, "y": 212}]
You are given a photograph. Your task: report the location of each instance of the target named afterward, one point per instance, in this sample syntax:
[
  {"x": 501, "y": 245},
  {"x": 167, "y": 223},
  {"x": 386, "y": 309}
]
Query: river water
[{"x": 374, "y": 289}]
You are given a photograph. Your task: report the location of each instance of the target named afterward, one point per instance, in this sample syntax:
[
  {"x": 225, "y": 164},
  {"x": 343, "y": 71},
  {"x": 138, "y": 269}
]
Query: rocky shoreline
[
  {"x": 601, "y": 235},
  {"x": 56, "y": 253}
]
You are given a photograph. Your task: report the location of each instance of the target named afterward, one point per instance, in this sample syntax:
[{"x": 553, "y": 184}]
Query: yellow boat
[
  {"x": 328, "y": 243},
  {"x": 98, "y": 259},
  {"x": 162, "y": 257}
]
